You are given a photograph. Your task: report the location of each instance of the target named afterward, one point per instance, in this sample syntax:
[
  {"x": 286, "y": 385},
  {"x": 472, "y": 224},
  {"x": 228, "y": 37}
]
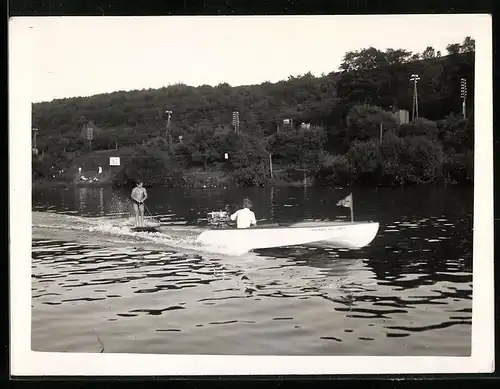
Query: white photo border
[{"x": 25, "y": 362}]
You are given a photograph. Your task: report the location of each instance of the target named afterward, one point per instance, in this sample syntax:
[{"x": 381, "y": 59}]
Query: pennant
[{"x": 346, "y": 202}]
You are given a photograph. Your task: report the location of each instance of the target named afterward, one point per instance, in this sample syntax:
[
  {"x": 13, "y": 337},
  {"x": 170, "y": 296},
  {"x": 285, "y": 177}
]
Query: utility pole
[
  {"x": 236, "y": 121},
  {"x": 415, "y": 78},
  {"x": 463, "y": 95},
  {"x": 168, "y": 134},
  {"x": 90, "y": 135}
]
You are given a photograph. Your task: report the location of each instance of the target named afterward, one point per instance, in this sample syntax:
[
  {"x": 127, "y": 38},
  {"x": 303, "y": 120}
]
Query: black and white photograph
[{"x": 233, "y": 195}]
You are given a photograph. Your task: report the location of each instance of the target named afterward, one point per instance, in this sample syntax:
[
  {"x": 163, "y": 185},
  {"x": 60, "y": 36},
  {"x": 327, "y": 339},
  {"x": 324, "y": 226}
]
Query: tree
[
  {"x": 397, "y": 57},
  {"x": 364, "y": 121},
  {"x": 468, "y": 45},
  {"x": 149, "y": 165},
  {"x": 63, "y": 143},
  {"x": 335, "y": 170},
  {"x": 429, "y": 53},
  {"x": 204, "y": 147},
  {"x": 453, "y": 48},
  {"x": 365, "y": 59},
  {"x": 365, "y": 160}
]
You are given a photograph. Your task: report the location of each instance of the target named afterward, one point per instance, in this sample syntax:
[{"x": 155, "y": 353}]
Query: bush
[
  {"x": 365, "y": 161},
  {"x": 335, "y": 170},
  {"x": 458, "y": 168},
  {"x": 420, "y": 127},
  {"x": 410, "y": 160},
  {"x": 41, "y": 168},
  {"x": 426, "y": 158},
  {"x": 246, "y": 177},
  {"x": 363, "y": 122},
  {"x": 457, "y": 134}
]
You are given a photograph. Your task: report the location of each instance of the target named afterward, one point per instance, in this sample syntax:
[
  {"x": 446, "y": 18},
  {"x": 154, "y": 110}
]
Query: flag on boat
[{"x": 346, "y": 202}]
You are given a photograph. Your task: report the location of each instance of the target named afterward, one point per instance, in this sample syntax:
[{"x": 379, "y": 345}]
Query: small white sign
[
  {"x": 226, "y": 156},
  {"x": 114, "y": 161}
]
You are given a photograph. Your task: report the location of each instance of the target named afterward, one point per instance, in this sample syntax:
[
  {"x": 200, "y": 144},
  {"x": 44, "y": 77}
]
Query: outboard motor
[{"x": 218, "y": 219}]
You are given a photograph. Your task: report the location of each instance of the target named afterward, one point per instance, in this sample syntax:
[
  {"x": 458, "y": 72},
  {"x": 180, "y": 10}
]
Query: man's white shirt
[{"x": 244, "y": 218}]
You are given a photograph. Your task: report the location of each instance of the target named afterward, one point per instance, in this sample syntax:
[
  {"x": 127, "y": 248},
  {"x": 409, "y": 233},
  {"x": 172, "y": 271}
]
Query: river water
[{"x": 408, "y": 293}]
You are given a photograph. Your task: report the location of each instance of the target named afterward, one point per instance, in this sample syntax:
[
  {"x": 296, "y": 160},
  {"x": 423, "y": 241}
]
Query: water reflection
[
  {"x": 82, "y": 198},
  {"x": 314, "y": 290},
  {"x": 101, "y": 201}
]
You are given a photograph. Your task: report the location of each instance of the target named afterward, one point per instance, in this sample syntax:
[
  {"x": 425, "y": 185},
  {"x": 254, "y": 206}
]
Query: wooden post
[
  {"x": 352, "y": 209},
  {"x": 380, "y": 132},
  {"x": 272, "y": 203}
]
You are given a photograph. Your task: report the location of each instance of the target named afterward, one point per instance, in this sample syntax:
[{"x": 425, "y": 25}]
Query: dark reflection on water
[{"x": 408, "y": 293}]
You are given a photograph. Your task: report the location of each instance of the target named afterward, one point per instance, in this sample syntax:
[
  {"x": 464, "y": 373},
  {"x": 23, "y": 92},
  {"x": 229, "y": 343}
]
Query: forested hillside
[{"x": 343, "y": 113}]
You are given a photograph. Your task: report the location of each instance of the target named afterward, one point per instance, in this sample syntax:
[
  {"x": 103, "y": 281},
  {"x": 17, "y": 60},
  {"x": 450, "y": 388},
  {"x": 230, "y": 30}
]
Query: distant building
[
  {"x": 287, "y": 124},
  {"x": 402, "y": 116},
  {"x": 305, "y": 126}
]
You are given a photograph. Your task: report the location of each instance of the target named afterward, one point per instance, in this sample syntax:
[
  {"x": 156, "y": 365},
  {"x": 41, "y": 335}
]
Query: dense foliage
[{"x": 342, "y": 129}]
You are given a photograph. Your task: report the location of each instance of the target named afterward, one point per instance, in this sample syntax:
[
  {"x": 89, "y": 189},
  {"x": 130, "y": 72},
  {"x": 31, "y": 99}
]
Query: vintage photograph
[{"x": 253, "y": 187}]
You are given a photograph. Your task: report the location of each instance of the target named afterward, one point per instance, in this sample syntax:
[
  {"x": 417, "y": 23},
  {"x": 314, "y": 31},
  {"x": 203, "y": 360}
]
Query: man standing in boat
[
  {"x": 244, "y": 217},
  {"x": 139, "y": 195}
]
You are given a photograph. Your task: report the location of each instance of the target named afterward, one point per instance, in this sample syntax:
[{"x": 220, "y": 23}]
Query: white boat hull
[
  {"x": 348, "y": 235},
  {"x": 339, "y": 235}
]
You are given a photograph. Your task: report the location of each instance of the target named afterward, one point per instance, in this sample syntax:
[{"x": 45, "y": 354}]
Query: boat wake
[{"x": 117, "y": 231}]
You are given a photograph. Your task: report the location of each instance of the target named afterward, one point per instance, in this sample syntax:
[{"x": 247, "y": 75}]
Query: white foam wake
[{"x": 172, "y": 237}]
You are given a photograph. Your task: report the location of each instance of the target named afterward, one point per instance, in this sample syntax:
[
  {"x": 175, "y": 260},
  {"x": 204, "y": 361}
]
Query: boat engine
[{"x": 219, "y": 219}]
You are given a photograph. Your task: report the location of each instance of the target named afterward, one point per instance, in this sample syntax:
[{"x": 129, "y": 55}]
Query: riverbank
[
  {"x": 191, "y": 179},
  {"x": 213, "y": 180}
]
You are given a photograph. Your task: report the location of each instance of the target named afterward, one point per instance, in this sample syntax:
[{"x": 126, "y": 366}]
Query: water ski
[{"x": 145, "y": 229}]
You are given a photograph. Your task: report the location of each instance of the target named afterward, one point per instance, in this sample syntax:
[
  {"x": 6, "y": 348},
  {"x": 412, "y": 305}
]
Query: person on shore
[
  {"x": 244, "y": 217},
  {"x": 139, "y": 195}
]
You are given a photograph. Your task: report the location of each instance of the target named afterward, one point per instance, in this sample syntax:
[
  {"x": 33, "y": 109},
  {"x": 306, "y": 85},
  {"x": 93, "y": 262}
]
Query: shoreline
[{"x": 49, "y": 184}]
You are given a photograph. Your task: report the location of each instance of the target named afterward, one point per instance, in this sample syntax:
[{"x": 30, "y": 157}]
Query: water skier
[{"x": 139, "y": 195}]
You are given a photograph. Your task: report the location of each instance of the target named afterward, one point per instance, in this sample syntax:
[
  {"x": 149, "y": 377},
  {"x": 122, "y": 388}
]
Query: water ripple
[{"x": 410, "y": 282}]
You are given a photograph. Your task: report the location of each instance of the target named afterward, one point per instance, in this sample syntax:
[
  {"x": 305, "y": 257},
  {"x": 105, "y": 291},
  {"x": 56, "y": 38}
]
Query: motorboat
[{"x": 351, "y": 235}]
